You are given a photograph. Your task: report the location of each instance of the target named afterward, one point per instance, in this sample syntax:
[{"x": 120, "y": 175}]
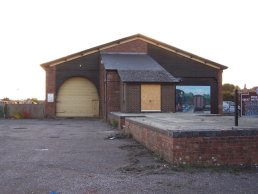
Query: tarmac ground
[{"x": 89, "y": 156}]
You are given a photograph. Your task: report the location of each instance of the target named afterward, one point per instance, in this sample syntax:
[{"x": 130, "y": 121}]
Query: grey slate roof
[{"x": 133, "y": 67}]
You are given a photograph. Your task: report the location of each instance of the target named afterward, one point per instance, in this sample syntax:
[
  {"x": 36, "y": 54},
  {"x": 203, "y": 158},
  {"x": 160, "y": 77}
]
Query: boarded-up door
[
  {"x": 77, "y": 97},
  {"x": 150, "y": 97}
]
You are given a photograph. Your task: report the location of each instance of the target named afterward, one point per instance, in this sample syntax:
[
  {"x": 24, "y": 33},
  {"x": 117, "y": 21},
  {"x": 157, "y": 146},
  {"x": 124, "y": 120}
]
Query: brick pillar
[
  {"x": 50, "y": 107},
  {"x": 168, "y": 98},
  {"x": 220, "y": 96},
  {"x": 113, "y": 92},
  {"x": 102, "y": 88}
]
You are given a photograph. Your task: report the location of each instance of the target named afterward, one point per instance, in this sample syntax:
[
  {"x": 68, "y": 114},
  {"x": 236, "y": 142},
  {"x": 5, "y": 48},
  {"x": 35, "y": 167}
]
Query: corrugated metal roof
[{"x": 133, "y": 67}]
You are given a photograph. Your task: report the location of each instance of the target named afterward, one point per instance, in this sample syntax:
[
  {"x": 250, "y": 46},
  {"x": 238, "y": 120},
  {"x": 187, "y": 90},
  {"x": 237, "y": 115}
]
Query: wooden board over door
[{"x": 150, "y": 97}]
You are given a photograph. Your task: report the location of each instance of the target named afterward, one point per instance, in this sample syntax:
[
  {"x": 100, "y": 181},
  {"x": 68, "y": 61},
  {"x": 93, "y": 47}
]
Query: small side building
[{"x": 131, "y": 75}]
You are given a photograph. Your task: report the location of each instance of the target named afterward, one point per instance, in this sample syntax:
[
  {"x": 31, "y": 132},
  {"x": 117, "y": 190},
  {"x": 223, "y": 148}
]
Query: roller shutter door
[{"x": 77, "y": 97}]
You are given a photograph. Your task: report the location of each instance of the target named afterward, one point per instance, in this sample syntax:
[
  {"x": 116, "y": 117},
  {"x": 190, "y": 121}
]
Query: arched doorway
[{"x": 77, "y": 97}]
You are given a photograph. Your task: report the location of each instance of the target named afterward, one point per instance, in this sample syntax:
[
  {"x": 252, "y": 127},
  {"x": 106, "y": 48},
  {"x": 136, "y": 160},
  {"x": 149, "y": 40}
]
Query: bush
[
  {"x": 114, "y": 123},
  {"x": 24, "y": 115},
  {"x": 18, "y": 116}
]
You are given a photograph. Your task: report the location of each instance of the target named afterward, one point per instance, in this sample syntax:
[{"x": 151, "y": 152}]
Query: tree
[
  {"x": 228, "y": 92},
  {"x": 6, "y": 99},
  {"x": 35, "y": 101}
]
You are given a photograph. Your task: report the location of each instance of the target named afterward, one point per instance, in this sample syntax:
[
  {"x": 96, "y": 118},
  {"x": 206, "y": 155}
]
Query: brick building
[{"x": 134, "y": 74}]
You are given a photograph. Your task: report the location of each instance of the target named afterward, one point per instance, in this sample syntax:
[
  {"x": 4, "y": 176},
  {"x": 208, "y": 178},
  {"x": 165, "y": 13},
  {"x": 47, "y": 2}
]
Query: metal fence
[
  {"x": 1, "y": 110},
  {"x": 22, "y": 111}
]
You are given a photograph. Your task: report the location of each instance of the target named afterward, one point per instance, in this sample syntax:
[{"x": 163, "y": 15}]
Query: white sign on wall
[{"x": 50, "y": 97}]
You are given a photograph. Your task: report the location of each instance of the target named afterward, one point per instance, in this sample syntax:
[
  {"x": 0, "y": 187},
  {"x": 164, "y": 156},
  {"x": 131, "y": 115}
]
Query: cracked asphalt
[{"x": 76, "y": 156}]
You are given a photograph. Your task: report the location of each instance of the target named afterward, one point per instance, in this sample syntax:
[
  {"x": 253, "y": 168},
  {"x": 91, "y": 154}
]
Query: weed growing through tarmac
[{"x": 114, "y": 123}]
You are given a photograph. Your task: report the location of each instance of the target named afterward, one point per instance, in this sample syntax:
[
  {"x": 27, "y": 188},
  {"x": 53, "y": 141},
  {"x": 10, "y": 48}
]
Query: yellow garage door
[
  {"x": 150, "y": 97},
  {"x": 77, "y": 97}
]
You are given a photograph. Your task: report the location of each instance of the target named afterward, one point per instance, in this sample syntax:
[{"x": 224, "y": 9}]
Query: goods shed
[{"x": 132, "y": 75}]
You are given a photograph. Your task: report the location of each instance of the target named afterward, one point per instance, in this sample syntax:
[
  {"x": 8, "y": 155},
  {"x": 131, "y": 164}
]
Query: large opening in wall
[
  {"x": 193, "y": 99},
  {"x": 150, "y": 97},
  {"x": 77, "y": 97}
]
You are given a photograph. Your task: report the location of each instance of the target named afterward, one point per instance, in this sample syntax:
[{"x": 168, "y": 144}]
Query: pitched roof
[
  {"x": 133, "y": 67},
  {"x": 131, "y": 38}
]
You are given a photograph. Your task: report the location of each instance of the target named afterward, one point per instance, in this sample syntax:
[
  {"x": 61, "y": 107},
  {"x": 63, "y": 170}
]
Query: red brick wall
[
  {"x": 220, "y": 95},
  {"x": 102, "y": 78},
  {"x": 133, "y": 98},
  {"x": 122, "y": 97},
  {"x": 50, "y": 107},
  {"x": 131, "y": 103},
  {"x": 138, "y": 46},
  {"x": 168, "y": 98},
  {"x": 109, "y": 92},
  {"x": 113, "y": 91},
  {"x": 156, "y": 142},
  {"x": 218, "y": 150},
  {"x": 231, "y": 150}
]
